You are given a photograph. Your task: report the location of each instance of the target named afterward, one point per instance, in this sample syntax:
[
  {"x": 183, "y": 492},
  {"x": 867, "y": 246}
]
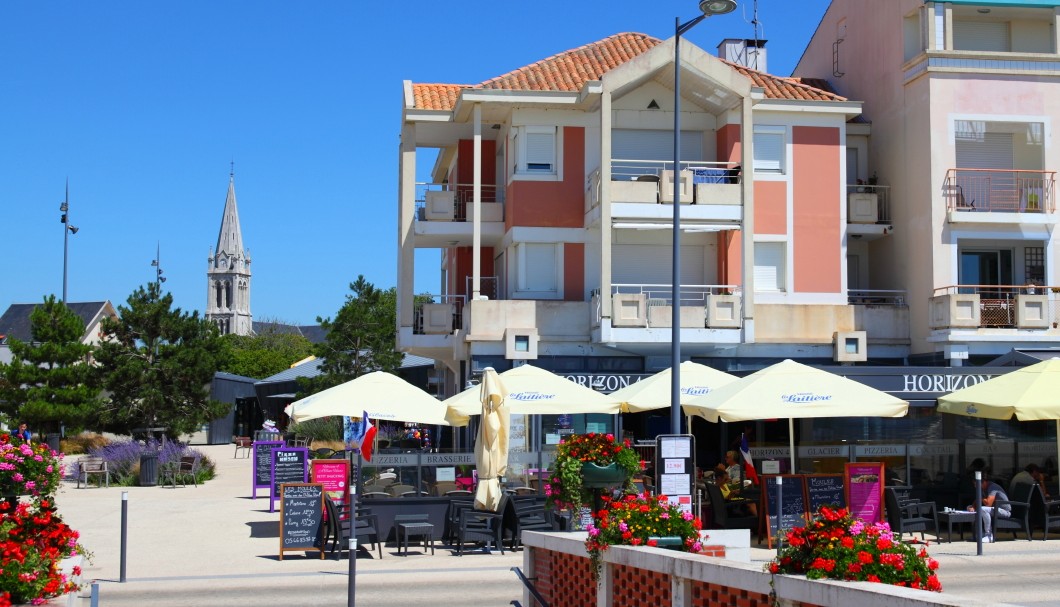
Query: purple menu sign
[
  {"x": 261, "y": 464},
  {"x": 864, "y": 486}
]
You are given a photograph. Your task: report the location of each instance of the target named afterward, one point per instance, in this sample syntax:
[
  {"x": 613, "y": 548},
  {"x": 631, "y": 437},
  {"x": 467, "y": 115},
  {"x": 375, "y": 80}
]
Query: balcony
[
  {"x": 445, "y": 212},
  {"x": 651, "y": 306},
  {"x": 637, "y": 186},
  {"x": 437, "y": 314},
  {"x": 1000, "y": 196},
  {"x": 1026, "y": 307}
]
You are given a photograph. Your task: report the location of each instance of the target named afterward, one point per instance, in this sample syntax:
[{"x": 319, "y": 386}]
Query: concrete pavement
[{"x": 214, "y": 545}]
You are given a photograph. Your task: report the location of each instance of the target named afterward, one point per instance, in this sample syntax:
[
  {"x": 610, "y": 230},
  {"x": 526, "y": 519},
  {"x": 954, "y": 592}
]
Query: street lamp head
[
  {"x": 64, "y": 207},
  {"x": 716, "y": 7},
  {"x": 73, "y": 229}
]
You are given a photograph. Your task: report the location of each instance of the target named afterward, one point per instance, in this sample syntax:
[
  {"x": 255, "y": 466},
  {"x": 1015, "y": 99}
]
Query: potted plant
[
  {"x": 33, "y": 541},
  {"x": 28, "y": 469},
  {"x": 836, "y": 546},
  {"x": 585, "y": 462},
  {"x": 641, "y": 520}
]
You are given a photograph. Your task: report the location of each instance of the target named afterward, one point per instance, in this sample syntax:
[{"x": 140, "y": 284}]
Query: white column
[
  {"x": 406, "y": 237},
  {"x": 605, "y": 207},
  {"x": 747, "y": 229},
  {"x": 476, "y": 203}
]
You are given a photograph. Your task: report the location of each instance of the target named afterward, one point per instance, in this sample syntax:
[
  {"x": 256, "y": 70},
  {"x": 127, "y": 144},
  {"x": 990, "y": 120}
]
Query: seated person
[
  {"x": 731, "y": 491},
  {"x": 991, "y": 492},
  {"x": 1031, "y": 475}
]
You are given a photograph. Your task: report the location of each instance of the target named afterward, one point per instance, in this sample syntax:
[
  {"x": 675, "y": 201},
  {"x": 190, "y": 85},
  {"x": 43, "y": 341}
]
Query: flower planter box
[{"x": 602, "y": 477}]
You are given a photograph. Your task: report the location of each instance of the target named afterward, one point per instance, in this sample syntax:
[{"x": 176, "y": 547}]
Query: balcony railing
[
  {"x": 861, "y": 198},
  {"x": 451, "y": 201},
  {"x": 875, "y": 297},
  {"x": 438, "y": 314},
  {"x": 487, "y": 286},
  {"x": 1004, "y": 306},
  {"x": 651, "y": 176},
  {"x": 1000, "y": 191},
  {"x": 703, "y": 171}
]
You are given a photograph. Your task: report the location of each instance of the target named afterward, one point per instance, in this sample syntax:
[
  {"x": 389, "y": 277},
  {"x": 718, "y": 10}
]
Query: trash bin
[
  {"x": 149, "y": 469},
  {"x": 53, "y": 441}
]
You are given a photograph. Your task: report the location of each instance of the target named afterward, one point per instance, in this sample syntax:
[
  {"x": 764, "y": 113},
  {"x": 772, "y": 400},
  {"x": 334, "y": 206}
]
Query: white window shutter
[
  {"x": 541, "y": 149},
  {"x": 769, "y": 266},
  {"x": 769, "y": 151}
]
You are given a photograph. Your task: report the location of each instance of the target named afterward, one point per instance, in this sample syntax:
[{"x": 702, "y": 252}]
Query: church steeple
[{"x": 228, "y": 273}]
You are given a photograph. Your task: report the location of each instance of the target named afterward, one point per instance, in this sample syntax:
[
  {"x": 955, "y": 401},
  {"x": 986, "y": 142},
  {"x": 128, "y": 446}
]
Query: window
[
  {"x": 769, "y": 266},
  {"x": 538, "y": 270},
  {"x": 769, "y": 149},
  {"x": 1034, "y": 265},
  {"x": 535, "y": 150}
]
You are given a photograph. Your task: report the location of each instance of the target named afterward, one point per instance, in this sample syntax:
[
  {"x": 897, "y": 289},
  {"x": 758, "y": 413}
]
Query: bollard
[
  {"x": 94, "y": 597},
  {"x": 780, "y": 513},
  {"x": 124, "y": 533},
  {"x": 978, "y": 513}
]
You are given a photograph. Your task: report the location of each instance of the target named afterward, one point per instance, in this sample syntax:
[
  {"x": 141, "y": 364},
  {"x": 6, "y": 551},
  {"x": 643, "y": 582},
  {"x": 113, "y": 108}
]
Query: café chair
[
  {"x": 338, "y": 527},
  {"x": 727, "y": 514},
  {"x": 397, "y": 490}
]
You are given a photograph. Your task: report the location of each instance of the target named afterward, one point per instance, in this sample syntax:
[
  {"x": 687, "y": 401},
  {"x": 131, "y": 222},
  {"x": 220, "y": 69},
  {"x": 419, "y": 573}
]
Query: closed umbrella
[
  {"x": 793, "y": 390},
  {"x": 532, "y": 390},
  {"x": 491, "y": 448},
  {"x": 655, "y": 392},
  {"x": 383, "y": 395},
  {"x": 1030, "y": 393}
]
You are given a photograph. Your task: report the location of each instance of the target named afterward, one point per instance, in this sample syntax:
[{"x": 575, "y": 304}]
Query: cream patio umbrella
[
  {"x": 654, "y": 392},
  {"x": 793, "y": 390},
  {"x": 532, "y": 390},
  {"x": 1030, "y": 393},
  {"x": 491, "y": 448},
  {"x": 383, "y": 395}
]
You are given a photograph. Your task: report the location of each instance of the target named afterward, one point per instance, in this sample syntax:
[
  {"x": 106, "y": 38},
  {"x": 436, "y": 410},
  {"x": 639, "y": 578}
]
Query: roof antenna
[
  {"x": 757, "y": 26},
  {"x": 232, "y": 171}
]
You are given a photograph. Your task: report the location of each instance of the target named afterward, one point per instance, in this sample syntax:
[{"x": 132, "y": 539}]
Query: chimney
[{"x": 748, "y": 53}]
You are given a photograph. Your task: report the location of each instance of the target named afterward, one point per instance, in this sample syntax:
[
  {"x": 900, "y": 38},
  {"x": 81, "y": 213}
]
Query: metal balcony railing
[
  {"x": 875, "y": 297},
  {"x": 662, "y": 294},
  {"x": 421, "y": 326},
  {"x": 463, "y": 197},
  {"x": 1004, "y": 191},
  {"x": 997, "y": 303}
]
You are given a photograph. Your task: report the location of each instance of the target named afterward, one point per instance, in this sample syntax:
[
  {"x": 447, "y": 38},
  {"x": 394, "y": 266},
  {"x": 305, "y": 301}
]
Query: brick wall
[
  {"x": 564, "y": 580},
  {"x": 634, "y": 587}
]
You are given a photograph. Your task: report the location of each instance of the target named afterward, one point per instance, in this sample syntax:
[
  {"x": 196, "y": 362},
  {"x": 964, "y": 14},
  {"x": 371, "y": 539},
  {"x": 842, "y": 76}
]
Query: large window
[
  {"x": 770, "y": 266},
  {"x": 769, "y": 149}
]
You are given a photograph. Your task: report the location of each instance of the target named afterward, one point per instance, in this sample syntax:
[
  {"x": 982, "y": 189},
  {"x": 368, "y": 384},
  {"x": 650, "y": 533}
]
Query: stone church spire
[{"x": 228, "y": 273}]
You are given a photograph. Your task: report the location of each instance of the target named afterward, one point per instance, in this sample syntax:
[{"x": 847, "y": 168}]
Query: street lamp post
[
  {"x": 708, "y": 8},
  {"x": 157, "y": 264},
  {"x": 67, "y": 230}
]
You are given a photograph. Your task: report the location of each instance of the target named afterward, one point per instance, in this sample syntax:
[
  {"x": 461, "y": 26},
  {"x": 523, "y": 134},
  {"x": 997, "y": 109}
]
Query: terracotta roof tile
[{"x": 570, "y": 70}]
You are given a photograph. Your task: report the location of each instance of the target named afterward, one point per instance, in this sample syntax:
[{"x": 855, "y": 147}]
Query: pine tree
[
  {"x": 50, "y": 380},
  {"x": 157, "y": 362},
  {"x": 362, "y": 338}
]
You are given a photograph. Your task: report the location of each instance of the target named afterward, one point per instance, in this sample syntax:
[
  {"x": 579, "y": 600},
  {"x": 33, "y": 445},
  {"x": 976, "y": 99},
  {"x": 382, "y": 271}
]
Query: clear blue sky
[{"x": 143, "y": 105}]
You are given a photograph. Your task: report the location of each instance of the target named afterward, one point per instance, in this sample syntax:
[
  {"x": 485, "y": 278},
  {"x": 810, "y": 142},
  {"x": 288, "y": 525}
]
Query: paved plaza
[{"x": 213, "y": 545}]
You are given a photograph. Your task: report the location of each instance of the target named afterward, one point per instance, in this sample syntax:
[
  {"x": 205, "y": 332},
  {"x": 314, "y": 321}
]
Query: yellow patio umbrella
[
  {"x": 491, "y": 448},
  {"x": 532, "y": 390},
  {"x": 383, "y": 395},
  {"x": 793, "y": 390},
  {"x": 654, "y": 392},
  {"x": 1030, "y": 393}
]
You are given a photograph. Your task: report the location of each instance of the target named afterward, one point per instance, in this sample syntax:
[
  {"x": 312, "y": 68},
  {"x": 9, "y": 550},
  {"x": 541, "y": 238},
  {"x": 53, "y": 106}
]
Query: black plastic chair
[
  {"x": 725, "y": 513},
  {"x": 1020, "y": 508},
  {"x": 338, "y": 528},
  {"x": 525, "y": 513},
  {"x": 908, "y": 515},
  {"x": 1044, "y": 513},
  {"x": 480, "y": 526}
]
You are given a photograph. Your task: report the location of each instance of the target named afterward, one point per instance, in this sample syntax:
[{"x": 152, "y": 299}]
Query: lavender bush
[{"x": 123, "y": 459}]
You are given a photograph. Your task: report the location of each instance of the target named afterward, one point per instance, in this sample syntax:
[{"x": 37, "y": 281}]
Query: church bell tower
[{"x": 228, "y": 274}]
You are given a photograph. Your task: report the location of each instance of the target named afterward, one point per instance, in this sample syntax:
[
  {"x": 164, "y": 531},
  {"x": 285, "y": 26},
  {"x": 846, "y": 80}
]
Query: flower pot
[
  {"x": 602, "y": 477},
  {"x": 672, "y": 542}
]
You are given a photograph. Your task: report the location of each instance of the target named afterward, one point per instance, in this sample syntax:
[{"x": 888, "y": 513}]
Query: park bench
[{"x": 93, "y": 465}]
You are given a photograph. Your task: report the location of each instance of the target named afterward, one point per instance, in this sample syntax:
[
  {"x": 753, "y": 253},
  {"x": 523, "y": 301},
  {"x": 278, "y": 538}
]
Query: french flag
[
  {"x": 364, "y": 435},
  {"x": 748, "y": 463}
]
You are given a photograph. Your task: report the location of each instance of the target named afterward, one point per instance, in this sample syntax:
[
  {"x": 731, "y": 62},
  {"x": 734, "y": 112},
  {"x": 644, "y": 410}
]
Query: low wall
[{"x": 559, "y": 568}]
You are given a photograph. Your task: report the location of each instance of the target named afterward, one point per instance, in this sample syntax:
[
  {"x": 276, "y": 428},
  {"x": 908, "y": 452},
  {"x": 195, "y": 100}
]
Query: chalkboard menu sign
[
  {"x": 302, "y": 517},
  {"x": 288, "y": 466},
  {"x": 262, "y": 465},
  {"x": 824, "y": 490},
  {"x": 864, "y": 490},
  {"x": 784, "y": 510}
]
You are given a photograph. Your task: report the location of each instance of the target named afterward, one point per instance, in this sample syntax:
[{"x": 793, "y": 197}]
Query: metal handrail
[{"x": 1000, "y": 190}]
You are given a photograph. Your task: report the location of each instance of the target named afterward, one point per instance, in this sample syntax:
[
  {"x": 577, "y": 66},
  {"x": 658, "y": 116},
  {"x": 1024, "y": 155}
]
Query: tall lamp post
[
  {"x": 708, "y": 8},
  {"x": 156, "y": 263},
  {"x": 67, "y": 230}
]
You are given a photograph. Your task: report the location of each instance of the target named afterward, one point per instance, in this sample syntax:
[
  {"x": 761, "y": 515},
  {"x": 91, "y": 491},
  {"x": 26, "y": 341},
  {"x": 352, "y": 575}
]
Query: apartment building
[{"x": 961, "y": 96}]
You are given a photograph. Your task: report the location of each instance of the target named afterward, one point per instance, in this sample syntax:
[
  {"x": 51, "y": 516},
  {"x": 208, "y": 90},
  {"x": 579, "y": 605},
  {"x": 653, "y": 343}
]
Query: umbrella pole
[
  {"x": 791, "y": 442},
  {"x": 1058, "y": 442}
]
